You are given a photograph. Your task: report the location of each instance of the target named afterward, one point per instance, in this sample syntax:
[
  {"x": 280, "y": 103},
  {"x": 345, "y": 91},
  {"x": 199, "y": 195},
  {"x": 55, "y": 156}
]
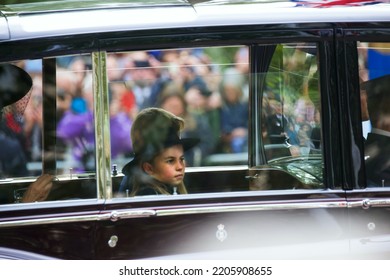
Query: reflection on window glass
[
  {"x": 374, "y": 72},
  {"x": 24, "y": 131},
  {"x": 75, "y": 119},
  {"x": 207, "y": 87},
  {"x": 290, "y": 121}
]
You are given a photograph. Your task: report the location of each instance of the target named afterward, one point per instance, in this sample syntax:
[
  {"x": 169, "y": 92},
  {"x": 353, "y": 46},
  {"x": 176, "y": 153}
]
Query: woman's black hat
[{"x": 15, "y": 83}]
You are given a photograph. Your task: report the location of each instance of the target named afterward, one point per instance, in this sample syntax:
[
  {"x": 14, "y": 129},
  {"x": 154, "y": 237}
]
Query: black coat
[
  {"x": 275, "y": 127},
  {"x": 145, "y": 189},
  {"x": 13, "y": 161},
  {"x": 377, "y": 151}
]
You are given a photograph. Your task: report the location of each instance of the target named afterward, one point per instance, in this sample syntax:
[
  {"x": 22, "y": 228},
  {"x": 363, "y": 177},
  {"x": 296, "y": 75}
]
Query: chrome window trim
[
  {"x": 116, "y": 215},
  {"x": 102, "y": 125},
  {"x": 209, "y": 208},
  {"x": 276, "y": 194},
  {"x": 56, "y": 220},
  {"x": 216, "y": 168},
  {"x": 253, "y": 207},
  {"x": 55, "y": 204}
]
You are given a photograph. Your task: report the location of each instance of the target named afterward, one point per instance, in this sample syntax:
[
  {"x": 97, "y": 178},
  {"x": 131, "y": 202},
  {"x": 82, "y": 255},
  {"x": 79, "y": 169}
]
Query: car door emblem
[{"x": 221, "y": 233}]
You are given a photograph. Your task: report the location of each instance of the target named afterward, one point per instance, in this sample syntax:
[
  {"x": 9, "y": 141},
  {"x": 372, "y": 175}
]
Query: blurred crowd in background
[{"x": 209, "y": 91}]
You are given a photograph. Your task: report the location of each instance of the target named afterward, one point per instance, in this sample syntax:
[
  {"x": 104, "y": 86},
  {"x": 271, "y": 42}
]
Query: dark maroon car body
[{"x": 221, "y": 219}]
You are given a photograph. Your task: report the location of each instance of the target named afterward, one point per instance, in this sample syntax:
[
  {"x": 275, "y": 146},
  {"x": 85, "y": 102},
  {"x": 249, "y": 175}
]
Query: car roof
[{"x": 34, "y": 19}]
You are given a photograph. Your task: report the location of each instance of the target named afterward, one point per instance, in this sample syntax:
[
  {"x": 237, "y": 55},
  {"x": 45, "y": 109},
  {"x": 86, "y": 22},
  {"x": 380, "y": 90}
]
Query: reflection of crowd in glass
[
  {"x": 189, "y": 84},
  {"x": 186, "y": 82},
  {"x": 291, "y": 123},
  {"x": 213, "y": 100}
]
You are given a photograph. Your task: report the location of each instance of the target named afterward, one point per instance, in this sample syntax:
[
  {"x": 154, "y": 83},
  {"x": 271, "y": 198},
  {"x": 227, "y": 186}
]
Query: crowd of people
[
  {"x": 185, "y": 82},
  {"x": 212, "y": 98}
]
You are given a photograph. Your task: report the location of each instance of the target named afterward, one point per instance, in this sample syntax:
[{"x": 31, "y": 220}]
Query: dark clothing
[
  {"x": 145, "y": 189},
  {"x": 234, "y": 116},
  {"x": 377, "y": 151},
  {"x": 198, "y": 128},
  {"x": 13, "y": 161},
  {"x": 276, "y": 125},
  {"x": 316, "y": 137},
  {"x": 126, "y": 187}
]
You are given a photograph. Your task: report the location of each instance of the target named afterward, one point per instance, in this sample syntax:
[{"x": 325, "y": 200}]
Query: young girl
[{"x": 158, "y": 165}]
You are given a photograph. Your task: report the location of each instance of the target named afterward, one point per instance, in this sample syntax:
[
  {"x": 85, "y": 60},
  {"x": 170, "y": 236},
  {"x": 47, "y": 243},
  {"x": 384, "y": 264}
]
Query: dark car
[{"x": 275, "y": 91}]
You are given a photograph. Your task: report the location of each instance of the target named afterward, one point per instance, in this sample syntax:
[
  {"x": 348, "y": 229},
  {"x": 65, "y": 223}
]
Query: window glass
[
  {"x": 75, "y": 120},
  {"x": 290, "y": 120},
  {"x": 69, "y": 121},
  {"x": 208, "y": 88},
  {"x": 374, "y": 72}
]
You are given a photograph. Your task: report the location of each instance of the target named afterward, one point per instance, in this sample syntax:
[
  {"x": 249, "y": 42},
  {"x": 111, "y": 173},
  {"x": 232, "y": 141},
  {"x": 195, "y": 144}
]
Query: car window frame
[
  {"x": 167, "y": 39},
  {"x": 351, "y": 97},
  {"x": 325, "y": 42}
]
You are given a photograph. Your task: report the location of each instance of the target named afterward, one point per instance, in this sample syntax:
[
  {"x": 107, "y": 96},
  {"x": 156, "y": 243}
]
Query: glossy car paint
[
  {"x": 229, "y": 228},
  {"x": 338, "y": 222}
]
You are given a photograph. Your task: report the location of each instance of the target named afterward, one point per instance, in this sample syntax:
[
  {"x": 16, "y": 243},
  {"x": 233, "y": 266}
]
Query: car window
[
  {"x": 374, "y": 72},
  {"x": 290, "y": 150},
  {"x": 209, "y": 89},
  {"x": 200, "y": 85},
  {"x": 75, "y": 127},
  {"x": 56, "y": 138}
]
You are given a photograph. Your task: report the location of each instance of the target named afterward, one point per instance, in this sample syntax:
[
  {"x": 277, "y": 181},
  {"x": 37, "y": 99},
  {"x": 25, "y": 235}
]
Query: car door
[
  {"x": 60, "y": 225},
  {"x": 368, "y": 198},
  {"x": 281, "y": 195}
]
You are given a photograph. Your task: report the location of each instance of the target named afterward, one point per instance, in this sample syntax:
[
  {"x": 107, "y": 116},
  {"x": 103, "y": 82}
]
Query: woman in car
[{"x": 15, "y": 85}]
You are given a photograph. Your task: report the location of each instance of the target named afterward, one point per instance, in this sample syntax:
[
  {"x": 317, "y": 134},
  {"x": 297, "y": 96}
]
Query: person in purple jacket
[{"x": 76, "y": 128}]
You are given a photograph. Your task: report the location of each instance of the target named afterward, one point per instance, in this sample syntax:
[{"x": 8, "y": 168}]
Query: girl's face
[{"x": 167, "y": 167}]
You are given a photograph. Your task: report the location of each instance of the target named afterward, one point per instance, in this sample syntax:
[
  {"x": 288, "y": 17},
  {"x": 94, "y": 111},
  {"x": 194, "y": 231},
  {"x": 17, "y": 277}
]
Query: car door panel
[
  {"x": 369, "y": 214},
  {"x": 67, "y": 233},
  {"x": 246, "y": 229}
]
